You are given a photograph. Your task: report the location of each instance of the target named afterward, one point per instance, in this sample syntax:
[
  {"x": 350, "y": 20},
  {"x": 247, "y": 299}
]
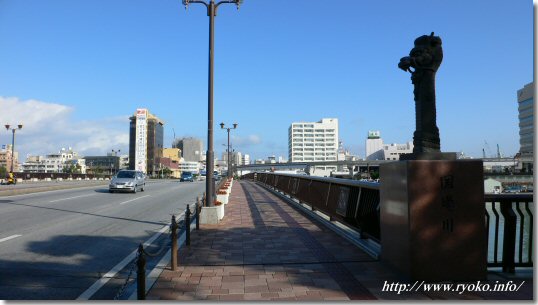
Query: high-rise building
[
  {"x": 146, "y": 135},
  {"x": 525, "y": 99},
  {"x": 314, "y": 141},
  {"x": 191, "y": 148}
]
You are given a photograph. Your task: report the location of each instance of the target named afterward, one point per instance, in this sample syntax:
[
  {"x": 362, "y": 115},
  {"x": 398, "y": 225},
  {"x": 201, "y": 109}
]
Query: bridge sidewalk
[{"x": 264, "y": 249}]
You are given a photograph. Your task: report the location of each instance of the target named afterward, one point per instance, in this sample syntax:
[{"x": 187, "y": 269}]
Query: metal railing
[
  {"x": 354, "y": 203},
  {"x": 508, "y": 217}
]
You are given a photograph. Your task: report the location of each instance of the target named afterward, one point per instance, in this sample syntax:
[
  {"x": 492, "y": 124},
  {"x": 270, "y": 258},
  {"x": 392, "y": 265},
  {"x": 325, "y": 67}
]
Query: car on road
[
  {"x": 127, "y": 181},
  {"x": 186, "y": 176}
]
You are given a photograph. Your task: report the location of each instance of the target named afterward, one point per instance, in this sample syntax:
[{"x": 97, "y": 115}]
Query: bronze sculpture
[{"x": 425, "y": 58}]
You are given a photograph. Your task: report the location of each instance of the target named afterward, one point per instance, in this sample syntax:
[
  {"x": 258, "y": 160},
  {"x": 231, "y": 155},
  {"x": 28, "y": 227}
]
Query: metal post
[
  {"x": 12, "y": 150},
  {"x": 210, "y": 187},
  {"x": 198, "y": 213},
  {"x": 141, "y": 274},
  {"x": 509, "y": 236},
  {"x": 173, "y": 236},
  {"x": 188, "y": 226},
  {"x": 229, "y": 162}
]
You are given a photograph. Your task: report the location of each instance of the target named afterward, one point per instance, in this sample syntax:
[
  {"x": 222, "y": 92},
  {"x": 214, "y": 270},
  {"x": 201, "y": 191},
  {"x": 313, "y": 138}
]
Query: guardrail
[
  {"x": 354, "y": 203},
  {"x": 508, "y": 217}
]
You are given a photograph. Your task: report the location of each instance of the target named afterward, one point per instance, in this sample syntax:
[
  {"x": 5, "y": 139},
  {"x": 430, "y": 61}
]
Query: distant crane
[{"x": 487, "y": 150}]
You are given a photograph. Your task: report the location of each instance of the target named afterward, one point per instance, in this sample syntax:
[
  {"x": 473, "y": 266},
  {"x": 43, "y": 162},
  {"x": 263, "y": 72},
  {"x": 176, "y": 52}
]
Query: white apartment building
[
  {"x": 245, "y": 160},
  {"x": 189, "y": 166},
  {"x": 53, "y": 163},
  {"x": 314, "y": 141},
  {"x": 376, "y": 150}
]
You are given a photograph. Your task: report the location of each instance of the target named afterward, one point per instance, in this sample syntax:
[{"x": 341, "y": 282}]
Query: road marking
[
  {"x": 133, "y": 199},
  {"x": 86, "y": 295},
  {"x": 72, "y": 197},
  {"x": 9, "y": 237}
]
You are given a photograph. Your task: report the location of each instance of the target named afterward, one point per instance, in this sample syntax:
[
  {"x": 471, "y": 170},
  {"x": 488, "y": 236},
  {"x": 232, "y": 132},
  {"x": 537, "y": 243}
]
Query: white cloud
[
  {"x": 48, "y": 127},
  {"x": 245, "y": 141}
]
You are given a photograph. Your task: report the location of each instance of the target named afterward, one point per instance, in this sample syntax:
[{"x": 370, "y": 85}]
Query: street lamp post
[
  {"x": 115, "y": 154},
  {"x": 229, "y": 162},
  {"x": 211, "y": 12},
  {"x": 8, "y": 127}
]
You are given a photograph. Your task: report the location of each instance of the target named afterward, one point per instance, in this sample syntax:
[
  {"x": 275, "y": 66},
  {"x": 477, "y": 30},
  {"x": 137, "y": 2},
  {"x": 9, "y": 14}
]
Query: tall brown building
[{"x": 146, "y": 137}]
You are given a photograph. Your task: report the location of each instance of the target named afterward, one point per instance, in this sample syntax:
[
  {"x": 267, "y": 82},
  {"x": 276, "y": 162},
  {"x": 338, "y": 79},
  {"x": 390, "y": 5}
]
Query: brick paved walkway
[{"x": 266, "y": 250}]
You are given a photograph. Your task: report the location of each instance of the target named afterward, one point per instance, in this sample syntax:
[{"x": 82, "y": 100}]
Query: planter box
[
  {"x": 220, "y": 211},
  {"x": 223, "y": 198},
  {"x": 212, "y": 215}
]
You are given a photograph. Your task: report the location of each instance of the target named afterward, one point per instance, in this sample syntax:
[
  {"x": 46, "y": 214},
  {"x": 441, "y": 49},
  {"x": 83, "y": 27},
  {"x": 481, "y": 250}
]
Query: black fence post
[
  {"x": 188, "y": 226},
  {"x": 173, "y": 260},
  {"x": 198, "y": 213},
  {"x": 509, "y": 238},
  {"x": 141, "y": 274}
]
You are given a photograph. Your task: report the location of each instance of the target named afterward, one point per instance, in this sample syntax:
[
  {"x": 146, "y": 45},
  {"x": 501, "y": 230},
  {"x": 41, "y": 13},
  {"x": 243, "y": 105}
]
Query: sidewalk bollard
[
  {"x": 173, "y": 260},
  {"x": 141, "y": 274},
  {"x": 188, "y": 226},
  {"x": 197, "y": 213}
]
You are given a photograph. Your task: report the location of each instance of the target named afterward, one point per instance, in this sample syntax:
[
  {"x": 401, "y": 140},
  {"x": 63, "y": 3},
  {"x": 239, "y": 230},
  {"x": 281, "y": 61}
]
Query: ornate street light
[
  {"x": 229, "y": 162},
  {"x": 211, "y": 12},
  {"x": 8, "y": 127}
]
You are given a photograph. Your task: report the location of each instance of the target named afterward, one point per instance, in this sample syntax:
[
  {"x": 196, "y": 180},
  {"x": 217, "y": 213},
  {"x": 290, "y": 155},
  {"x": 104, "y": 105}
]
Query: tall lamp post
[
  {"x": 115, "y": 154},
  {"x": 229, "y": 162},
  {"x": 211, "y": 12},
  {"x": 8, "y": 127}
]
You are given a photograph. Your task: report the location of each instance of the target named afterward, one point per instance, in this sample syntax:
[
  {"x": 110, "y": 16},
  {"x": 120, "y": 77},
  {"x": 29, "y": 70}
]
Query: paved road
[{"x": 54, "y": 245}]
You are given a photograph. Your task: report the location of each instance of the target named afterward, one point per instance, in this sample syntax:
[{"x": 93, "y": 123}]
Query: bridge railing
[
  {"x": 508, "y": 217},
  {"x": 354, "y": 203}
]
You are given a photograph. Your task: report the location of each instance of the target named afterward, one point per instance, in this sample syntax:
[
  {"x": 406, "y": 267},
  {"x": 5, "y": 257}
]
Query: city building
[
  {"x": 525, "y": 99},
  {"x": 191, "y": 149},
  {"x": 107, "y": 165},
  {"x": 146, "y": 135},
  {"x": 34, "y": 164},
  {"x": 314, "y": 141},
  {"x": 171, "y": 159},
  {"x": 6, "y": 158},
  {"x": 374, "y": 146},
  {"x": 189, "y": 166},
  {"x": 65, "y": 161},
  {"x": 245, "y": 160},
  {"x": 376, "y": 150}
]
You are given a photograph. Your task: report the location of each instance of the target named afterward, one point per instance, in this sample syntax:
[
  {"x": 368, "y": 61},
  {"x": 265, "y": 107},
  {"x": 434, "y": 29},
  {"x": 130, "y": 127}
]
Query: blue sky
[{"x": 73, "y": 71}]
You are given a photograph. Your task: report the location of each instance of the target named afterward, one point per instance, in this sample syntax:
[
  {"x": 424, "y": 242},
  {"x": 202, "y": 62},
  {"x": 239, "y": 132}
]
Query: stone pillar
[{"x": 433, "y": 219}]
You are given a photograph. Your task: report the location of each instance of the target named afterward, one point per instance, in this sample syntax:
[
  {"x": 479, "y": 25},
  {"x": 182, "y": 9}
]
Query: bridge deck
[{"x": 266, "y": 250}]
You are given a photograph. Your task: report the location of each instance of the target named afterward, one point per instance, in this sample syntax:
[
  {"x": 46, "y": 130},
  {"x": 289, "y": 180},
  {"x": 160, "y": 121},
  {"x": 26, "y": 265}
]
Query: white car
[{"x": 127, "y": 181}]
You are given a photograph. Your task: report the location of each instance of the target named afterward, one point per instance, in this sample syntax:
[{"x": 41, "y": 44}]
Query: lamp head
[
  {"x": 20, "y": 126},
  {"x": 7, "y": 126},
  {"x": 235, "y": 125},
  {"x": 238, "y": 3},
  {"x": 222, "y": 125},
  {"x": 186, "y": 3}
]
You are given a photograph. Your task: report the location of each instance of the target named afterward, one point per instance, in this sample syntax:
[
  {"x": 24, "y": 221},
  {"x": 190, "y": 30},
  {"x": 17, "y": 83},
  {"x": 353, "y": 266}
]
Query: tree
[{"x": 3, "y": 171}]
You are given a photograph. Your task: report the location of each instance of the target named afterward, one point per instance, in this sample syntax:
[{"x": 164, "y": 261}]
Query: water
[{"x": 526, "y": 229}]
